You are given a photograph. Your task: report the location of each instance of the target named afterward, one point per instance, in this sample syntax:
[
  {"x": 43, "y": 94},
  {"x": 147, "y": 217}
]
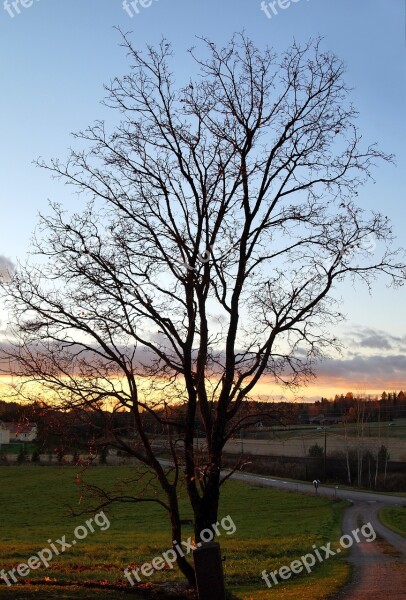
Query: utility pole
[{"x": 325, "y": 454}]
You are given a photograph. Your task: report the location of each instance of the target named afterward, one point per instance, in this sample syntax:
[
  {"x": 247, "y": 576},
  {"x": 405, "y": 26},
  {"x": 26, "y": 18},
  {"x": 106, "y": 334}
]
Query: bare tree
[{"x": 220, "y": 219}]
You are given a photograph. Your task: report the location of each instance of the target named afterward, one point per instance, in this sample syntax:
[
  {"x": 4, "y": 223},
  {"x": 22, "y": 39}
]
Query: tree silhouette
[{"x": 221, "y": 216}]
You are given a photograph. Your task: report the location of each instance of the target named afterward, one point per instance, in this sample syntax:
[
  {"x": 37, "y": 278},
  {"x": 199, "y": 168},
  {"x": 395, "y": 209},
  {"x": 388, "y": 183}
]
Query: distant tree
[
  {"x": 10, "y": 411},
  {"x": 384, "y": 457},
  {"x": 383, "y": 454},
  {"x": 316, "y": 451},
  {"x": 104, "y": 452},
  {"x": 35, "y": 458},
  {"x": 22, "y": 455}
]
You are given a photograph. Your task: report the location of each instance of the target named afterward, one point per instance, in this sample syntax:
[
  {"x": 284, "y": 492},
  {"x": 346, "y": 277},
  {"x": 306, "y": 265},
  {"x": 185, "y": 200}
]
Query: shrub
[
  {"x": 22, "y": 456},
  {"x": 103, "y": 455},
  {"x": 35, "y": 457},
  {"x": 315, "y": 451}
]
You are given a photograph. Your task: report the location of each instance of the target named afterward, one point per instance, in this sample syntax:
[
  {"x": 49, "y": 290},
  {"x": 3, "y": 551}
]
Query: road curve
[
  {"x": 379, "y": 567},
  {"x": 308, "y": 488}
]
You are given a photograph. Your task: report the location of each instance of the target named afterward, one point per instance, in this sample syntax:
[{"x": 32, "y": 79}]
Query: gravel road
[{"x": 379, "y": 567}]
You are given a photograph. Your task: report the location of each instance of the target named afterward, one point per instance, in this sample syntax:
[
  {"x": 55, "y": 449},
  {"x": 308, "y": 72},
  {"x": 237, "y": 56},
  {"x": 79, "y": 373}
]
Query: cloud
[
  {"x": 6, "y": 268},
  {"x": 375, "y": 360},
  {"x": 364, "y": 364},
  {"x": 374, "y": 339},
  {"x": 369, "y": 371}
]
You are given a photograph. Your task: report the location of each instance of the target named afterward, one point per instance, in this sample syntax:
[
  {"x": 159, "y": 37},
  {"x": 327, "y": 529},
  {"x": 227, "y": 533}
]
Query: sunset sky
[{"x": 56, "y": 55}]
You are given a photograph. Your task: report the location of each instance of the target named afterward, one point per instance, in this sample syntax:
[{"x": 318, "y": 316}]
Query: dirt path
[{"x": 379, "y": 566}]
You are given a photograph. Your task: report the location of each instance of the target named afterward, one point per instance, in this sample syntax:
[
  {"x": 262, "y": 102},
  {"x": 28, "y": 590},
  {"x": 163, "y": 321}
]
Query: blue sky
[{"x": 56, "y": 55}]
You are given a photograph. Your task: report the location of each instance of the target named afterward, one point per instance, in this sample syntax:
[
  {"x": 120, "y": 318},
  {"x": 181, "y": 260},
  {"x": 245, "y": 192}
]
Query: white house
[{"x": 22, "y": 432}]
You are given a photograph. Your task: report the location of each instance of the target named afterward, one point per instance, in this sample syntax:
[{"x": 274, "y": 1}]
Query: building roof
[{"x": 20, "y": 427}]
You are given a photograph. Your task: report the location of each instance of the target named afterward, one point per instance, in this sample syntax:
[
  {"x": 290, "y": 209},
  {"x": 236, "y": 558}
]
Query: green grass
[
  {"x": 35, "y": 592},
  {"x": 370, "y": 429},
  {"x": 273, "y": 529},
  {"x": 394, "y": 518}
]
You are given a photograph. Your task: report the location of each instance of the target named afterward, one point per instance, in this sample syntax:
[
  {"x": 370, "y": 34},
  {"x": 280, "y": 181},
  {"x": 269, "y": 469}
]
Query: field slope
[{"x": 272, "y": 529}]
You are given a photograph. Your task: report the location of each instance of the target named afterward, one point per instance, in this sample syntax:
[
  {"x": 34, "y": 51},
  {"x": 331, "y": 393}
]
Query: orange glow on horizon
[{"x": 326, "y": 387}]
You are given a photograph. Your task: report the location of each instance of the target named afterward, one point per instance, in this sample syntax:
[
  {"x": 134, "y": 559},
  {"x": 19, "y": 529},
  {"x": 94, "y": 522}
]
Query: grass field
[
  {"x": 385, "y": 430},
  {"x": 273, "y": 528},
  {"x": 298, "y": 439},
  {"x": 394, "y": 518}
]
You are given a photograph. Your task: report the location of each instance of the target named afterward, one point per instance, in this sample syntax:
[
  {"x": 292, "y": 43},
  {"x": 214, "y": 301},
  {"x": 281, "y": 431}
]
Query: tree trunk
[
  {"x": 206, "y": 512},
  {"x": 376, "y": 469},
  {"x": 369, "y": 471},
  {"x": 386, "y": 466},
  {"x": 348, "y": 466},
  {"x": 184, "y": 566}
]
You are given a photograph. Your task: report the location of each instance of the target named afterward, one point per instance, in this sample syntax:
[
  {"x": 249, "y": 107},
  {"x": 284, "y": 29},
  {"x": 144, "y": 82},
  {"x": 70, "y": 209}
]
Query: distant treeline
[
  {"x": 353, "y": 408},
  {"x": 85, "y": 423}
]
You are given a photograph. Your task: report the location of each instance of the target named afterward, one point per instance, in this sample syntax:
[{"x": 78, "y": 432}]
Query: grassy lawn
[
  {"x": 273, "y": 529},
  {"x": 394, "y": 518},
  {"x": 33, "y": 592}
]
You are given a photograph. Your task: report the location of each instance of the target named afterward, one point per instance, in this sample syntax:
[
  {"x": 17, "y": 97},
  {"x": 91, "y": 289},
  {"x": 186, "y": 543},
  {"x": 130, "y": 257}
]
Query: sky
[{"x": 55, "y": 56}]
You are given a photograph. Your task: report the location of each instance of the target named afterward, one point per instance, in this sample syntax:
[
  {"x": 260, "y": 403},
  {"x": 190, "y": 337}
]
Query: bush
[
  {"x": 35, "y": 458},
  {"x": 22, "y": 456},
  {"x": 395, "y": 482},
  {"x": 383, "y": 454},
  {"x": 316, "y": 451},
  {"x": 103, "y": 456}
]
